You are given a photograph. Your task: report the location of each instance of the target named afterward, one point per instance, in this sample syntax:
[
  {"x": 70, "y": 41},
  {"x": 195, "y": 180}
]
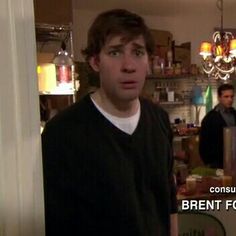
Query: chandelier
[{"x": 219, "y": 57}]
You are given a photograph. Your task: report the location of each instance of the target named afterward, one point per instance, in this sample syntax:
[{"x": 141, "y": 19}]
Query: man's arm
[
  {"x": 174, "y": 225},
  {"x": 173, "y": 199},
  {"x": 205, "y": 140},
  {"x": 172, "y": 185}
]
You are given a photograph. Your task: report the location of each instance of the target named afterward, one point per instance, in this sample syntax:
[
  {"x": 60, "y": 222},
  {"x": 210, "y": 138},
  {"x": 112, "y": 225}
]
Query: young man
[
  {"x": 211, "y": 134},
  {"x": 107, "y": 159}
]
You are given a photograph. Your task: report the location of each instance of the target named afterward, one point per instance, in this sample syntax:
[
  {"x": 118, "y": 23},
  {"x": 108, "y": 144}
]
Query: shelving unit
[
  {"x": 172, "y": 103},
  {"x": 179, "y": 84},
  {"x": 56, "y": 93},
  {"x": 171, "y": 77},
  {"x": 56, "y": 99}
]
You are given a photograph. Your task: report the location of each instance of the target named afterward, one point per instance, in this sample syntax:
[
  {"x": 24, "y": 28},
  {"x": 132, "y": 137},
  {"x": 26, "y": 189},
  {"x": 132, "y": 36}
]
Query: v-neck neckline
[{"x": 114, "y": 128}]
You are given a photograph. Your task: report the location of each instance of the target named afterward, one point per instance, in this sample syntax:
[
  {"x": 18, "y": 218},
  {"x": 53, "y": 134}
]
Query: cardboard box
[
  {"x": 183, "y": 56},
  {"x": 162, "y": 37},
  {"x": 161, "y": 51}
]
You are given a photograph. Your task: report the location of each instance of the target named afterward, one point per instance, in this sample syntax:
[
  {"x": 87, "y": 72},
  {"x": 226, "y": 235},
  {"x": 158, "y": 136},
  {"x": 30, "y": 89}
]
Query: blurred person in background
[{"x": 223, "y": 115}]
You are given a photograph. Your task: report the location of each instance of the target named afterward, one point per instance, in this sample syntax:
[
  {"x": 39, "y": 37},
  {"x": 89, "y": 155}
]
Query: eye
[
  {"x": 114, "y": 53},
  {"x": 139, "y": 52}
]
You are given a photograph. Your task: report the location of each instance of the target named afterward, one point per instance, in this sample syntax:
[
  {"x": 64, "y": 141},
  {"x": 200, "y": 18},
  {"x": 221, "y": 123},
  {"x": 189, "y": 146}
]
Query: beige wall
[
  {"x": 184, "y": 27},
  {"x": 21, "y": 182}
]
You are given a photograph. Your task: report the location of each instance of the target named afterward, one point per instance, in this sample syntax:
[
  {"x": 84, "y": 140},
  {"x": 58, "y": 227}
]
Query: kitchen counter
[
  {"x": 202, "y": 192},
  {"x": 200, "y": 205}
]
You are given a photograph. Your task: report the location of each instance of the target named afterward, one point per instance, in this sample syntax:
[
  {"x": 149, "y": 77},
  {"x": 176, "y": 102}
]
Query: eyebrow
[
  {"x": 119, "y": 46},
  {"x": 115, "y": 46},
  {"x": 140, "y": 46}
]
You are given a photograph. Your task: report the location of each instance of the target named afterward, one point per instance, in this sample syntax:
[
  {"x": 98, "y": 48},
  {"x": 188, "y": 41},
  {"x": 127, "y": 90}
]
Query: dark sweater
[
  {"x": 211, "y": 143},
  {"x": 102, "y": 181}
]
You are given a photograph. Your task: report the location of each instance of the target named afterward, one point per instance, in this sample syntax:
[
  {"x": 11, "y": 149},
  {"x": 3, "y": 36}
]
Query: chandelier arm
[
  {"x": 225, "y": 77},
  {"x": 222, "y": 77},
  {"x": 231, "y": 70},
  {"x": 208, "y": 71},
  {"x": 216, "y": 36}
]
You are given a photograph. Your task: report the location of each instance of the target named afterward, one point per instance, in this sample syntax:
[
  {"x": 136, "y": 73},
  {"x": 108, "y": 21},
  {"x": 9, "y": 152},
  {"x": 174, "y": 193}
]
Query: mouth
[{"x": 131, "y": 84}]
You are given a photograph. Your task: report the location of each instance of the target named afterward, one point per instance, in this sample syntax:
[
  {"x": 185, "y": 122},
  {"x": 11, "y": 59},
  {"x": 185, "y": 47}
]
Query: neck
[
  {"x": 223, "y": 108},
  {"x": 116, "y": 108}
]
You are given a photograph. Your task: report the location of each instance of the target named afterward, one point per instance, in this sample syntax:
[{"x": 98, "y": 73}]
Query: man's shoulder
[
  {"x": 212, "y": 113},
  {"x": 212, "y": 116},
  {"x": 150, "y": 106},
  {"x": 155, "y": 112},
  {"x": 156, "y": 115},
  {"x": 234, "y": 111}
]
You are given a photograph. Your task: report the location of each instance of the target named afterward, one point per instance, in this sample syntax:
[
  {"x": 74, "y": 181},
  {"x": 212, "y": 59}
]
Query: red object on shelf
[{"x": 63, "y": 74}]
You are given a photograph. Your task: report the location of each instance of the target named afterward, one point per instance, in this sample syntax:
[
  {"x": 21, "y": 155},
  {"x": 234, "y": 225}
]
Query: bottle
[
  {"x": 156, "y": 94},
  {"x": 169, "y": 58},
  {"x": 162, "y": 63}
]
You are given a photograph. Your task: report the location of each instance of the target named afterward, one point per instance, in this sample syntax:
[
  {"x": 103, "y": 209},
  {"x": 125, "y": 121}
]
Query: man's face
[
  {"x": 122, "y": 68},
  {"x": 226, "y": 98}
]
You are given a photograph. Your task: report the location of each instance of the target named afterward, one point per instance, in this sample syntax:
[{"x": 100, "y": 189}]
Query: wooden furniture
[{"x": 191, "y": 146}]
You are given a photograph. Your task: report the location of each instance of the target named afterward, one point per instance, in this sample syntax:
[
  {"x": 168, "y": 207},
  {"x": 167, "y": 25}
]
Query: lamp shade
[
  {"x": 63, "y": 59},
  {"x": 233, "y": 46},
  {"x": 205, "y": 49},
  {"x": 197, "y": 98}
]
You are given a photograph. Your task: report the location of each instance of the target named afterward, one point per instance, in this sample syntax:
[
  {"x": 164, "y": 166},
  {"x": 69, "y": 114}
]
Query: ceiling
[{"x": 156, "y": 7}]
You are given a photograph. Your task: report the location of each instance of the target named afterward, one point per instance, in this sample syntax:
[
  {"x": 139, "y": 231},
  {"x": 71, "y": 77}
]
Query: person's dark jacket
[{"x": 211, "y": 144}]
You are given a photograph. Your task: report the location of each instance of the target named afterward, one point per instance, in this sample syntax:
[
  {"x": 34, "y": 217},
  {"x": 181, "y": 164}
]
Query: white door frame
[{"x": 21, "y": 185}]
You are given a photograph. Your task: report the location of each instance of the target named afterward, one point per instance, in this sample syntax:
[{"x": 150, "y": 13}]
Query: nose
[
  {"x": 230, "y": 98},
  {"x": 128, "y": 64}
]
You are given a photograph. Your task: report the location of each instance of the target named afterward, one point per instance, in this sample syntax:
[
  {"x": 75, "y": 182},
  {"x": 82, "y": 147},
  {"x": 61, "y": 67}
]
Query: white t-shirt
[{"x": 127, "y": 124}]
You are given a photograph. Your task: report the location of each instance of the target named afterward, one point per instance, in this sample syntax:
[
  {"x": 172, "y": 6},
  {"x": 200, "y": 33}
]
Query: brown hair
[
  {"x": 116, "y": 22},
  {"x": 224, "y": 87}
]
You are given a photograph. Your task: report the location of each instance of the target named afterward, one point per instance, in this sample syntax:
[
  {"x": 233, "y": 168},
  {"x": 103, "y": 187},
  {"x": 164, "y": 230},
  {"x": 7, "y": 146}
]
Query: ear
[{"x": 94, "y": 63}]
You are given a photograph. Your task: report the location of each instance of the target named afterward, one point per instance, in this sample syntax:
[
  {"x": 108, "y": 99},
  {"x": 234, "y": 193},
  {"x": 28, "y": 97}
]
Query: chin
[
  {"x": 228, "y": 107},
  {"x": 130, "y": 96}
]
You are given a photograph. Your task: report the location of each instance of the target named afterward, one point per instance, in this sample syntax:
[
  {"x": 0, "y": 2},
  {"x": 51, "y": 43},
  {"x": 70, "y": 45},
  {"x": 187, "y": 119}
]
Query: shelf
[
  {"x": 56, "y": 93},
  {"x": 65, "y": 89},
  {"x": 179, "y": 137},
  {"x": 52, "y": 32},
  {"x": 172, "y": 103},
  {"x": 184, "y": 76}
]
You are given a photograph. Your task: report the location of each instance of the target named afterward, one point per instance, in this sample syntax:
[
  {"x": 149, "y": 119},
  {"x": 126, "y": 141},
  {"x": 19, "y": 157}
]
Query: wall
[
  {"x": 21, "y": 182},
  {"x": 185, "y": 27}
]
